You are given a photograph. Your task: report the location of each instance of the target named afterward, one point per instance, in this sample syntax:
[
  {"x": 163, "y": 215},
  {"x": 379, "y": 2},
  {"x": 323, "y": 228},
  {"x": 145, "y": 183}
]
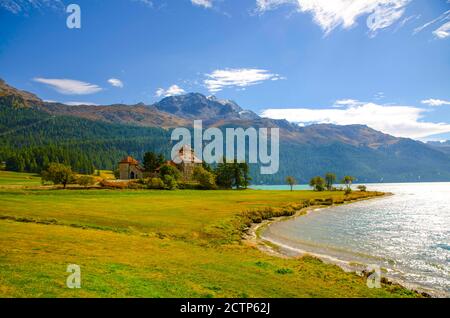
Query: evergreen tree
[
  {"x": 245, "y": 168},
  {"x": 152, "y": 161},
  {"x": 330, "y": 178},
  {"x": 225, "y": 175}
]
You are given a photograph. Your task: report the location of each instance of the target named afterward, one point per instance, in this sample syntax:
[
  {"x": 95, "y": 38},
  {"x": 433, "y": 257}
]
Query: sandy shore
[{"x": 253, "y": 237}]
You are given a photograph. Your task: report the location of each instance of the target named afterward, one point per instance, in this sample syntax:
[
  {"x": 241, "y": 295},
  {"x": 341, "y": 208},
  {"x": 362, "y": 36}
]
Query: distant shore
[{"x": 274, "y": 248}]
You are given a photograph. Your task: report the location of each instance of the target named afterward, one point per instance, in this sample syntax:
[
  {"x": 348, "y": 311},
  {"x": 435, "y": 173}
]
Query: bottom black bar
[{"x": 221, "y": 307}]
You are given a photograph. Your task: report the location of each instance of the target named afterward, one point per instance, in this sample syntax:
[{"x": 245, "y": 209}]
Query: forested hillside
[
  {"x": 30, "y": 139},
  {"x": 34, "y": 133}
]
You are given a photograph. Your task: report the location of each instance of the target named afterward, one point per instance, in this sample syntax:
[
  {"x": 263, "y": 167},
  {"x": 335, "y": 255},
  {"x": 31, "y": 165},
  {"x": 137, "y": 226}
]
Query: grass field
[
  {"x": 15, "y": 180},
  {"x": 153, "y": 244}
]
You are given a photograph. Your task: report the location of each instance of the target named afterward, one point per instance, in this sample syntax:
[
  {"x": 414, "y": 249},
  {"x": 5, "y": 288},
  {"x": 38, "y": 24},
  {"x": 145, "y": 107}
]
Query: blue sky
[{"x": 384, "y": 63}]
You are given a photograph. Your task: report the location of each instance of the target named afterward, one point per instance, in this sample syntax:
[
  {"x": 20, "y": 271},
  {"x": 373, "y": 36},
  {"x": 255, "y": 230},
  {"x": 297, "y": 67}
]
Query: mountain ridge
[{"x": 358, "y": 150}]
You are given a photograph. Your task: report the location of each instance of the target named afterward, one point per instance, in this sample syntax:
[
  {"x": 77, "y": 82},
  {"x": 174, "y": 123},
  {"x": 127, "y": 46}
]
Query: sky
[{"x": 382, "y": 63}]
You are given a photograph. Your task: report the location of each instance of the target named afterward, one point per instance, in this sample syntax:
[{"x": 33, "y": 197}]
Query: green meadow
[{"x": 142, "y": 243}]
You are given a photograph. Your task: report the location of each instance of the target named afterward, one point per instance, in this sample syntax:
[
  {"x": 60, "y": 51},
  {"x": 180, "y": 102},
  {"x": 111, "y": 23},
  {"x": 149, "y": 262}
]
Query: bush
[
  {"x": 317, "y": 183},
  {"x": 284, "y": 271},
  {"x": 135, "y": 185},
  {"x": 170, "y": 182},
  {"x": 186, "y": 185},
  {"x": 362, "y": 188},
  {"x": 348, "y": 191},
  {"x": 206, "y": 179},
  {"x": 155, "y": 183},
  {"x": 113, "y": 185},
  {"x": 85, "y": 181},
  {"x": 167, "y": 170}
]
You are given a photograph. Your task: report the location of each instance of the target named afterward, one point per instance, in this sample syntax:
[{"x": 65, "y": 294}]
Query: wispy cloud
[
  {"x": 69, "y": 86},
  {"x": 443, "y": 17},
  {"x": 23, "y": 6},
  {"x": 443, "y": 31},
  {"x": 332, "y": 14},
  {"x": 243, "y": 77},
  {"x": 203, "y": 3},
  {"x": 171, "y": 91},
  {"x": 400, "y": 121},
  {"x": 435, "y": 102},
  {"x": 146, "y": 2},
  {"x": 115, "y": 82}
]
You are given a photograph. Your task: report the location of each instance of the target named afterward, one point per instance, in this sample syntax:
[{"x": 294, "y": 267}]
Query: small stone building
[
  {"x": 187, "y": 162},
  {"x": 130, "y": 169}
]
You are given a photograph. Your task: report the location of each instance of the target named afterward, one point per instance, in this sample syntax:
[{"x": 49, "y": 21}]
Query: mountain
[
  {"x": 18, "y": 97},
  {"x": 443, "y": 146},
  {"x": 139, "y": 115},
  {"x": 210, "y": 109},
  {"x": 34, "y": 132}
]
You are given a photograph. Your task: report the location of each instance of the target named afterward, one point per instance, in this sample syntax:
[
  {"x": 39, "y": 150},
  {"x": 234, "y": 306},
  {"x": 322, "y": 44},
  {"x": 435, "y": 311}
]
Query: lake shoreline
[{"x": 252, "y": 236}]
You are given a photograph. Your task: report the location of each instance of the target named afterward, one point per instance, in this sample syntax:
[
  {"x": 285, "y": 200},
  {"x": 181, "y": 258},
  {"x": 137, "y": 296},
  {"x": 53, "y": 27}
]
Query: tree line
[
  {"x": 327, "y": 182},
  {"x": 228, "y": 174}
]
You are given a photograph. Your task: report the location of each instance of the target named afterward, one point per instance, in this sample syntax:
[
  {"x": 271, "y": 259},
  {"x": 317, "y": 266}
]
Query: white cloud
[
  {"x": 435, "y": 102},
  {"x": 115, "y": 82},
  {"x": 443, "y": 31},
  {"x": 70, "y": 86},
  {"x": 203, "y": 3},
  {"x": 346, "y": 102},
  {"x": 145, "y": 2},
  {"x": 80, "y": 103},
  {"x": 332, "y": 14},
  {"x": 243, "y": 77},
  {"x": 400, "y": 121},
  {"x": 171, "y": 91}
]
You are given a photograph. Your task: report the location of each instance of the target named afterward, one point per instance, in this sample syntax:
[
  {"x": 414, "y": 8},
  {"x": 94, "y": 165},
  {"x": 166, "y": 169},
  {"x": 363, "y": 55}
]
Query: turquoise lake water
[{"x": 407, "y": 233}]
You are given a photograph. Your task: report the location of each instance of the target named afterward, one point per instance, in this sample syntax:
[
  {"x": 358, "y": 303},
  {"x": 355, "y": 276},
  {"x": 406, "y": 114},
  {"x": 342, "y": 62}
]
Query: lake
[{"x": 407, "y": 234}]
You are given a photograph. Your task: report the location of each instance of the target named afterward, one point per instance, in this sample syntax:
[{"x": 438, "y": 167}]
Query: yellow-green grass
[
  {"x": 15, "y": 180},
  {"x": 105, "y": 174},
  {"x": 154, "y": 244}
]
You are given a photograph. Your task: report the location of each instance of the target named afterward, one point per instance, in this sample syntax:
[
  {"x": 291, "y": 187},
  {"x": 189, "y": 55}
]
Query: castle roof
[
  {"x": 130, "y": 160},
  {"x": 187, "y": 155}
]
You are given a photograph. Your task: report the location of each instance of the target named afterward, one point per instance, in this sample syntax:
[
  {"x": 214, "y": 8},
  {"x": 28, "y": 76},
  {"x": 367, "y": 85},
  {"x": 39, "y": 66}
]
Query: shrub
[
  {"x": 135, "y": 185},
  {"x": 317, "y": 183},
  {"x": 206, "y": 179},
  {"x": 85, "y": 181},
  {"x": 362, "y": 188},
  {"x": 155, "y": 183},
  {"x": 114, "y": 185},
  {"x": 170, "y": 182},
  {"x": 348, "y": 191},
  {"x": 187, "y": 185},
  {"x": 167, "y": 170},
  {"x": 284, "y": 271}
]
